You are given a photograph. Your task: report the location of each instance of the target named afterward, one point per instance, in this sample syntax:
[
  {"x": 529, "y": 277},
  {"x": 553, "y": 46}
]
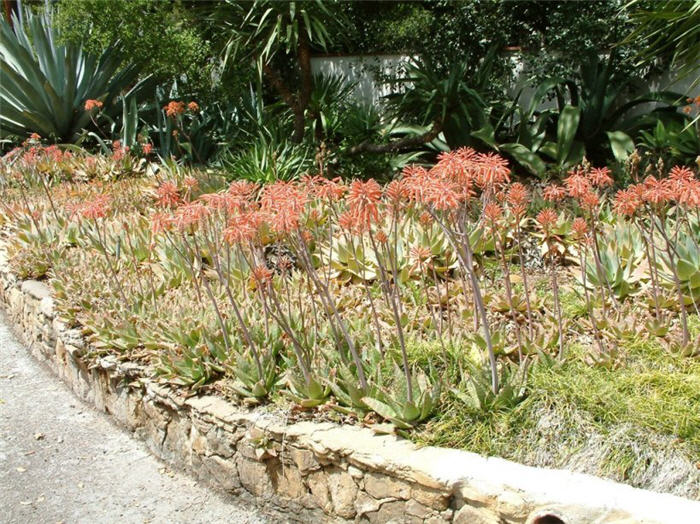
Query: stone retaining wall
[{"x": 320, "y": 471}]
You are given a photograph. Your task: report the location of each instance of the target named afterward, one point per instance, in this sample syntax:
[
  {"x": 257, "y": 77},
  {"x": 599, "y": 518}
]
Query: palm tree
[
  {"x": 267, "y": 31},
  {"x": 672, "y": 30}
]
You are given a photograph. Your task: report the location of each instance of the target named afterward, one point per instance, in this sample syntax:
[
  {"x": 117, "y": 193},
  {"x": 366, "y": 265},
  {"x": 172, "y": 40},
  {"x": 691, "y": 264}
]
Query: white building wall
[{"x": 368, "y": 73}]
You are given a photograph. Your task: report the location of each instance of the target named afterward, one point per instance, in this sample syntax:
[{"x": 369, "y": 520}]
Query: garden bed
[
  {"x": 554, "y": 327},
  {"x": 347, "y": 472}
]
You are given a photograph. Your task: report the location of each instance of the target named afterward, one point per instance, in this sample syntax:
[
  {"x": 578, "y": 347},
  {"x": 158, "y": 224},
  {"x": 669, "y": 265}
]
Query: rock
[
  {"x": 318, "y": 484},
  {"x": 36, "y": 289},
  {"x": 248, "y": 450},
  {"x": 472, "y": 515},
  {"x": 254, "y": 477},
  {"x": 199, "y": 445},
  {"x": 382, "y": 486},
  {"x": 356, "y": 473},
  {"x": 417, "y": 509},
  {"x": 176, "y": 446},
  {"x": 304, "y": 460},
  {"x": 343, "y": 491},
  {"x": 60, "y": 351},
  {"x": 425, "y": 480},
  {"x": 223, "y": 471},
  {"x": 220, "y": 442},
  {"x": 365, "y": 504},
  {"x": 290, "y": 483},
  {"x": 512, "y": 505},
  {"x": 435, "y": 499},
  {"x": 46, "y": 307},
  {"x": 438, "y": 519},
  {"x": 392, "y": 513}
]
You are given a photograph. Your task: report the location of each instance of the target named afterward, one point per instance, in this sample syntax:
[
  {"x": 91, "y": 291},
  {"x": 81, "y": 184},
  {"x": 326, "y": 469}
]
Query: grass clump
[{"x": 638, "y": 423}]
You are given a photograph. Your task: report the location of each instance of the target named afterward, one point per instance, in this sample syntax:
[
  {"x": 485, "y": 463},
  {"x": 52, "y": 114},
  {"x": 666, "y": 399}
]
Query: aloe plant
[
  {"x": 397, "y": 407},
  {"x": 614, "y": 271},
  {"x": 475, "y": 389},
  {"x": 687, "y": 265},
  {"x": 45, "y": 84}
]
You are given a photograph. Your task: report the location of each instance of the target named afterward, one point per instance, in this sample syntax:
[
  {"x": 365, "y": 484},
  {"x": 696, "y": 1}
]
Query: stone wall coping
[{"x": 489, "y": 486}]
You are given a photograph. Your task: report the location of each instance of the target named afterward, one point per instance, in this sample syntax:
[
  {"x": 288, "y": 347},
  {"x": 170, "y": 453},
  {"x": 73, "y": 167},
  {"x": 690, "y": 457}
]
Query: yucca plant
[
  {"x": 46, "y": 84},
  {"x": 268, "y": 160}
]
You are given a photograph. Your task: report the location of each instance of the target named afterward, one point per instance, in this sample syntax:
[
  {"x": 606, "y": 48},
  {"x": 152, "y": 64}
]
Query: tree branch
[{"x": 399, "y": 145}]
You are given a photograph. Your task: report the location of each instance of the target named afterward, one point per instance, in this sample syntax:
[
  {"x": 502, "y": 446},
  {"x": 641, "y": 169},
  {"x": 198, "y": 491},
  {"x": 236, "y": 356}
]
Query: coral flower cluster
[
  {"x": 175, "y": 108},
  {"x": 680, "y": 187}
]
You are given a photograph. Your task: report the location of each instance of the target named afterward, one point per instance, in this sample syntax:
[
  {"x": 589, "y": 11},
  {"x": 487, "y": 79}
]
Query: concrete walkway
[{"x": 61, "y": 461}]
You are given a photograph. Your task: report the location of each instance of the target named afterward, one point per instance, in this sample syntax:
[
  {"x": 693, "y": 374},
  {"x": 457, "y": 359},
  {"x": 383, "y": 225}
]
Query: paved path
[{"x": 61, "y": 461}]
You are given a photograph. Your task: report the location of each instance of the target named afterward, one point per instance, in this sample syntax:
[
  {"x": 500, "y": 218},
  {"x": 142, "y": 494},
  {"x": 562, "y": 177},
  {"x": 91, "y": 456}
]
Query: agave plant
[{"x": 46, "y": 84}]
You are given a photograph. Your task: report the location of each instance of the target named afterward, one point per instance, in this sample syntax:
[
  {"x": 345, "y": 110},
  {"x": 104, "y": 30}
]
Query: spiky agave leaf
[{"x": 45, "y": 84}]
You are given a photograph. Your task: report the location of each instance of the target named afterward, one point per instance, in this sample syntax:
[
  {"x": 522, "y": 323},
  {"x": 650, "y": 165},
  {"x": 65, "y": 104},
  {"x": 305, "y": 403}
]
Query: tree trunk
[
  {"x": 8, "y": 4},
  {"x": 304, "y": 60},
  {"x": 299, "y": 124}
]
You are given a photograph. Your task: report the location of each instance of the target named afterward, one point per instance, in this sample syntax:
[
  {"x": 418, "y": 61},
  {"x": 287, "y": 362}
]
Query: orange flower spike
[
  {"x": 493, "y": 213},
  {"x": 600, "y": 177},
  {"x": 627, "y": 201},
  {"x": 580, "y": 228},
  {"x": 346, "y": 221},
  {"x": 442, "y": 195},
  {"x": 167, "y": 195},
  {"x": 96, "y": 208},
  {"x": 363, "y": 201},
  {"x": 332, "y": 190},
  {"x": 161, "y": 222},
  {"x": 554, "y": 193},
  {"x": 396, "y": 192},
  {"x": 420, "y": 254},
  {"x": 240, "y": 229},
  {"x": 425, "y": 219},
  {"x": 577, "y": 185},
  {"x": 262, "y": 274},
  {"x": 681, "y": 174},
  {"x": 518, "y": 198},
  {"x": 307, "y": 237},
  {"x": 190, "y": 215},
  {"x": 492, "y": 171},
  {"x": 381, "y": 237},
  {"x": 656, "y": 192},
  {"x": 190, "y": 182},
  {"x": 547, "y": 218},
  {"x": 590, "y": 200}
]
